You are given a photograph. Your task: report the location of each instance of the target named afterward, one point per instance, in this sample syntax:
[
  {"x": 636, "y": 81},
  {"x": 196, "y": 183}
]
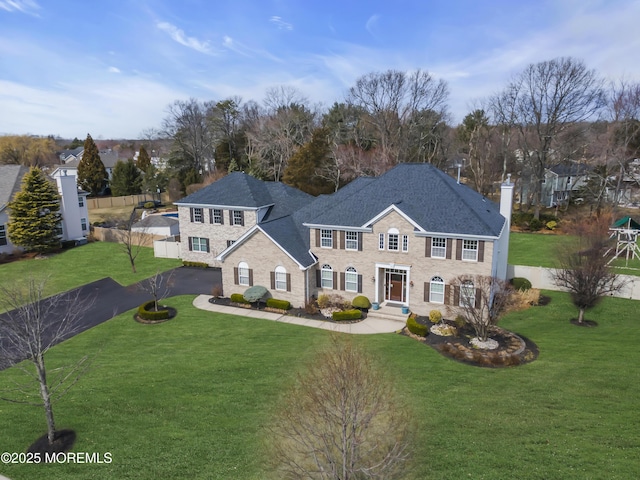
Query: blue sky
[{"x": 111, "y": 67}]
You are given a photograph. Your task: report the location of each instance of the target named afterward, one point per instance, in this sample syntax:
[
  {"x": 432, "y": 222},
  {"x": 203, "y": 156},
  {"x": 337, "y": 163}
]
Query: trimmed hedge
[
  {"x": 361, "y": 302},
  {"x": 186, "y": 263},
  {"x": 346, "y": 315},
  {"x": 416, "y": 328},
  {"x": 238, "y": 298},
  {"x": 521, "y": 283},
  {"x": 146, "y": 312},
  {"x": 280, "y": 304}
]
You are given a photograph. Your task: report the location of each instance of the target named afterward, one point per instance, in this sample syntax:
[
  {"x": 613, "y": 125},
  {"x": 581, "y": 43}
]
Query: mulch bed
[
  {"x": 63, "y": 440},
  {"x": 512, "y": 349},
  {"x": 584, "y": 323}
]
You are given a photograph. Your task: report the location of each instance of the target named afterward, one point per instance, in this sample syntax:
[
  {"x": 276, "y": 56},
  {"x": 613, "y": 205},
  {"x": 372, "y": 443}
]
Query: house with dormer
[{"x": 401, "y": 238}]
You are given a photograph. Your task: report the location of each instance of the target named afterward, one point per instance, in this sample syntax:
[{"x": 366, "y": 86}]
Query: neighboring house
[
  {"x": 158, "y": 225},
  {"x": 67, "y": 156},
  {"x": 69, "y": 165},
  {"x": 10, "y": 184},
  {"x": 561, "y": 180},
  {"x": 73, "y": 205},
  {"x": 401, "y": 238}
]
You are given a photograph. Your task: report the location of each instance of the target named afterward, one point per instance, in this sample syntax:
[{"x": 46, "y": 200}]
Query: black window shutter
[
  {"x": 456, "y": 295},
  {"x": 191, "y": 213},
  {"x": 359, "y": 241},
  {"x": 334, "y": 239},
  {"x": 235, "y": 276},
  {"x": 317, "y": 237},
  {"x": 459, "y": 249},
  {"x": 335, "y": 280},
  {"x": 481, "y": 251},
  {"x": 251, "y": 277},
  {"x": 342, "y": 238},
  {"x": 318, "y": 278},
  {"x": 447, "y": 294},
  {"x": 211, "y": 216},
  {"x": 448, "y": 242},
  {"x": 288, "y": 282},
  {"x": 242, "y": 218},
  {"x": 478, "y": 297},
  {"x": 221, "y": 217},
  {"x": 190, "y": 244},
  {"x": 359, "y": 283},
  {"x": 273, "y": 280},
  {"x": 207, "y": 242},
  {"x": 427, "y": 247},
  {"x": 341, "y": 280},
  {"x": 427, "y": 288}
]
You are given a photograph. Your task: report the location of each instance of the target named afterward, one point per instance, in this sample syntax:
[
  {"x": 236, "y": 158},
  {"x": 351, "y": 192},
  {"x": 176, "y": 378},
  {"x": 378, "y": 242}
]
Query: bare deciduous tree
[
  {"x": 483, "y": 300},
  {"x": 342, "y": 420},
  {"x": 131, "y": 242},
  {"x": 30, "y": 327},
  {"x": 158, "y": 286},
  {"x": 583, "y": 268}
]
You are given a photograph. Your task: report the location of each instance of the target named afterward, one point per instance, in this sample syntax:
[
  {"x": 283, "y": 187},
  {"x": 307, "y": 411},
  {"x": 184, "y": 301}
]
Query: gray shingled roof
[
  {"x": 430, "y": 197},
  {"x": 10, "y": 182},
  {"x": 156, "y": 221}
]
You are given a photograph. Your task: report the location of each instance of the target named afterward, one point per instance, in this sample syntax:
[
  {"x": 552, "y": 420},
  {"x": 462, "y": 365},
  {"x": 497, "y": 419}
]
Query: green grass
[
  {"x": 189, "y": 398},
  {"x": 85, "y": 264}
]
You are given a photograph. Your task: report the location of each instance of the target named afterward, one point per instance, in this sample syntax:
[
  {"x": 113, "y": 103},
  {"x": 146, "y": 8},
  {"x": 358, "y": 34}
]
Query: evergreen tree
[
  {"x": 34, "y": 215},
  {"x": 92, "y": 176},
  {"x": 144, "y": 160},
  {"x": 302, "y": 168},
  {"x": 154, "y": 180},
  {"x": 126, "y": 179}
]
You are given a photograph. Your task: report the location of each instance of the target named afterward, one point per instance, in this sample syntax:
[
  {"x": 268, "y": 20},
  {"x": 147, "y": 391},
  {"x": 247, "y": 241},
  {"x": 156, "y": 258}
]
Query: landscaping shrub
[
  {"x": 146, "y": 312},
  {"x": 523, "y": 299},
  {"x": 535, "y": 224},
  {"x": 552, "y": 225},
  {"x": 416, "y": 328},
  {"x": 460, "y": 321},
  {"x": 435, "y": 316},
  {"x": 361, "y": 302},
  {"x": 216, "y": 291},
  {"x": 311, "y": 308},
  {"x": 279, "y": 304},
  {"x": 238, "y": 298},
  {"x": 520, "y": 283},
  {"x": 149, "y": 205},
  {"x": 324, "y": 301},
  {"x": 187, "y": 263},
  {"x": 347, "y": 315}
]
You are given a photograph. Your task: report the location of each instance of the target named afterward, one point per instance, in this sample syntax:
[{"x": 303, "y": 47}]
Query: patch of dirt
[
  {"x": 584, "y": 323},
  {"x": 63, "y": 440}
]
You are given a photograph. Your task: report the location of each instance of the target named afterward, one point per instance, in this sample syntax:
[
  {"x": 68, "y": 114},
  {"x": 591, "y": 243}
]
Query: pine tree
[
  {"x": 126, "y": 179},
  {"x": 34, "y": 215},
  {"x": 144, "y": 160},
  {"x": 301, "y": 171},
  {"x": 92, "y": 176}
]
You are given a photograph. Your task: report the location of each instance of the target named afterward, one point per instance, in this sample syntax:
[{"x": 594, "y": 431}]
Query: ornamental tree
[
  {"x": 92, "y": 176},
  {"x": 34, "y": 214}
]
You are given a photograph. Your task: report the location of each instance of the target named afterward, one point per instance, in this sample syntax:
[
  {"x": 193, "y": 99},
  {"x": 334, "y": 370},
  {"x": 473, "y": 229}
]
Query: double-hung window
[
  {"x": 351, "y": 280},
  {"x": 243, "y": 273},
  {"x": 438, "y": 247},
  {"x": 199, "y": 244},
  {"x": 351, "y": 240},
  {"x": 196, "y": 215},
  {"x": 237, "y": 217},
  {"x": 467, "y": 294},
  {"x": 326, "y": 238},
  {"x": 405, "y": 243},
  {"x": 381, "y": 241},
  {"x": 216, "y": 216},
  {"x": 436, "y": 290},
  {"x": 80, "y": 201},
  {"x": 281, "y": 278},
  {"x": 470, "y": 250},
  {"x": 83, "y": 223},
  {"x": 327, "y": 276},
  {"x": 3, "y": 235}
]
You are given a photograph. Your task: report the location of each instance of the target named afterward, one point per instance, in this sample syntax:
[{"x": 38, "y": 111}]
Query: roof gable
[{"x": 10, "y": 182}]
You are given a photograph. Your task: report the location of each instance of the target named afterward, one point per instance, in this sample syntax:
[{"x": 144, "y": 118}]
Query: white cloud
[
  {"x": 281, "y": 24},
  {"x": 372, "y": 23},
  {"x": 23, "y": 6},
  {"x": 179, "y": 36},
  {"x": 114, "y": 70}
]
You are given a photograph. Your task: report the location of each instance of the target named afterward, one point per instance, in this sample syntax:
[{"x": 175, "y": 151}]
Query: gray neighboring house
[
  {"x": 71, "y": 158},
  {"x": 10, "y": 184},
  {"x": 158, "y": 225},
  {"x": 561, "y": 181},
  {"x": 400, "y": 239}
]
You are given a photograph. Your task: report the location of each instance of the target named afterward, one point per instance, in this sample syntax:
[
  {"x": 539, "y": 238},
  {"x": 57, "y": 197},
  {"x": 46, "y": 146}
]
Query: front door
[{"x": 395, "y": 286}]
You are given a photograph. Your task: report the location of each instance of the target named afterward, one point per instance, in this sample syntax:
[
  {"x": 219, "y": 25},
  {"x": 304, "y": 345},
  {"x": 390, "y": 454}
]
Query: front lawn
[
  {"x": 189, "y": 398},
  {"x": 87, "y": 263}
]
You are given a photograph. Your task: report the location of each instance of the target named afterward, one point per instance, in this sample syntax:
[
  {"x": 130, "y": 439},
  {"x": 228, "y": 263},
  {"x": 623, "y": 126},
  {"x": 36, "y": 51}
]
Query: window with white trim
[
  {"x": 438, "y": 247},
  {"x": 326, "y": 276},
  {"x": 216, "y": 216},
  {"x": 83, "y": 223},
  {"x": 436, "y": 290},
  {"x": 281, "y": 278},
  {"x": 243, "y": 273},
  {"x": 351, "y": 280},
  {"x": 470, "y": 250},
  {"x": 326, "y": 238},
  {"x": 392, "y": 239},
  {"x": 3, "y": 235},
  {"x": 80, "y": 201},
  {"x": 237, "y": 217},
  {"x": 381, "y": 241},
  {"x": 199, "y": 244},
  {"x": 467, "y": 294},
  {"x": 196, "y": 215},
  {"x": 351, "y": 240},
  {"x": 405, "y": 243}
]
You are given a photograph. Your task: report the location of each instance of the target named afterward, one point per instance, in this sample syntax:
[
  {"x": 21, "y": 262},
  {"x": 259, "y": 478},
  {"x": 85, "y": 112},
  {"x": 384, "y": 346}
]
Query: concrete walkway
[{"x": 366, "y": 326}]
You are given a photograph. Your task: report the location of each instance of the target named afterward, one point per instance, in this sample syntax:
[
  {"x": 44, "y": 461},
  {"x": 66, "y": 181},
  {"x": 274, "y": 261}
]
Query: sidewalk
[{"x": 366, "y": 327}]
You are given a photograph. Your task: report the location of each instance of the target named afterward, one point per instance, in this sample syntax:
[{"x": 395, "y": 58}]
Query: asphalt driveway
[{"x": 111, "y": 299}]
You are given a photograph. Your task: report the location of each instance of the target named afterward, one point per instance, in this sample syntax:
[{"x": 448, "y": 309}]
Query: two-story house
[{"x": 400, "y": 238}]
